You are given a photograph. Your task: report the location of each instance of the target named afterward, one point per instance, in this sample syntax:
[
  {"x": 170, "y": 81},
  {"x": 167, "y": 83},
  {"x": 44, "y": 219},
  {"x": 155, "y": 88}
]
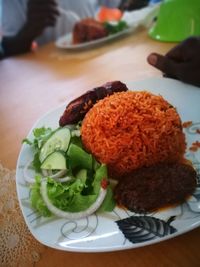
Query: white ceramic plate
[
  {"x": 65, "y": 42},
  {"x": 106, "y": 231}
]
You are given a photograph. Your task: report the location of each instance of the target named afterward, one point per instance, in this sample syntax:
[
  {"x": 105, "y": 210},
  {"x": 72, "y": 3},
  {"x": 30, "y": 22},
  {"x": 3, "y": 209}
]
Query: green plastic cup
[{"x": 177, "y": 20}]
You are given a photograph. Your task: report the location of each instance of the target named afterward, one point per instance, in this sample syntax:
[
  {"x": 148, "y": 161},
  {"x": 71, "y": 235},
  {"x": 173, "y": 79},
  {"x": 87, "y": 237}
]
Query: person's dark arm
[
  {"x": 13, "y": 45},
  {"x": 40, "y": 14},
  {"x": 182, "y": 62},
  {"x": 132, "y": 4}
]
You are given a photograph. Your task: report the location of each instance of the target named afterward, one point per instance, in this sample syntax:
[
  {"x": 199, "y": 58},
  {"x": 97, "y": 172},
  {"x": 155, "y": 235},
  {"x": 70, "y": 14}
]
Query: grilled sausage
[{"x": 76, "y": 109}]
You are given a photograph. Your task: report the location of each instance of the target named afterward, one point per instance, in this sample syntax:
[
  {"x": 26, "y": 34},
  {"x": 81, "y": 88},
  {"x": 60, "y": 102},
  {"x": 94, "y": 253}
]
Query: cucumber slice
[
  {"x": 57, "y": 141},
  {"x": 55, "y": 161}
]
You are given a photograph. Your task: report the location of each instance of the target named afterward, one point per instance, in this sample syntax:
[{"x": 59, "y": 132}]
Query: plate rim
[{"x": 68, "y": 37}]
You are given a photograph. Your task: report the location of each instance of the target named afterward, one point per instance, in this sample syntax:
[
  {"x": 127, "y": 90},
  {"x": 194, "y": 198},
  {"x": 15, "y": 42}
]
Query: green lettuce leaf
[
  {"x": 77, "y": 194},
  {"x": 70, "y": 196},
  {"x": 109, "y": 202},
  {"x": 115, "y": 28},
  {"x": 40, "y": 137},
  {"x": 36, "y": 199}
]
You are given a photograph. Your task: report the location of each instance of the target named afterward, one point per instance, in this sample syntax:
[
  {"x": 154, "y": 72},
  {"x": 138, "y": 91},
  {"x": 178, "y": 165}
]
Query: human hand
[
  {"x": 182, "y": 62},
  {"x": 40, "y": 14}
]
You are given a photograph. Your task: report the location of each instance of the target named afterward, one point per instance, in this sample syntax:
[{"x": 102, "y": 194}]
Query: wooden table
[{"x": 32, "y": 84}]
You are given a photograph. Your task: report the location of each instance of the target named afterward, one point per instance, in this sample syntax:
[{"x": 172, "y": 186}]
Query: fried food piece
[
  {"x": 151, "y": 188},
  {"x": 87, "y": 30},
  {"x": 76, "y": 109}
]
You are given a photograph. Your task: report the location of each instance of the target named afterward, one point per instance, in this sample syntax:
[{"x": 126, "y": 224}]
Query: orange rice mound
[{"x": 133, "y": 129}]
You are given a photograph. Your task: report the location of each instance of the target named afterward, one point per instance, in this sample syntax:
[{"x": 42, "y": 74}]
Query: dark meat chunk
[
  {"x": 76, "y": 110},
  {"x": 87, "y": 30},
  {"x": 151, "y": 188}
]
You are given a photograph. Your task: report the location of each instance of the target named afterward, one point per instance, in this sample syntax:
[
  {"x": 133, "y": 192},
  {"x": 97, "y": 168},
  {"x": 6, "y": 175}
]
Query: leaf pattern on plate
[{"x": 144, "y": 228}]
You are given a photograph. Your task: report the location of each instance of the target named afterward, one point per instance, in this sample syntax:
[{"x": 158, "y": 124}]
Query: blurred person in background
[
  {"x": 132, "y": 4},
  {"x": 25, "y": 21}
]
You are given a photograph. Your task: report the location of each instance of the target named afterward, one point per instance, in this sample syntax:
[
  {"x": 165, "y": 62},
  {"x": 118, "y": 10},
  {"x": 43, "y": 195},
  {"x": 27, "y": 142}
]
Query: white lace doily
[{"x": 17, "y": 246}]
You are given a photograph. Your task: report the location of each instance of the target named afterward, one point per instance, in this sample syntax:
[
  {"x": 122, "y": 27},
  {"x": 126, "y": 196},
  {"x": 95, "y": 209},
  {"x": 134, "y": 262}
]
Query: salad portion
[{"x": 68, "y": 182}]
